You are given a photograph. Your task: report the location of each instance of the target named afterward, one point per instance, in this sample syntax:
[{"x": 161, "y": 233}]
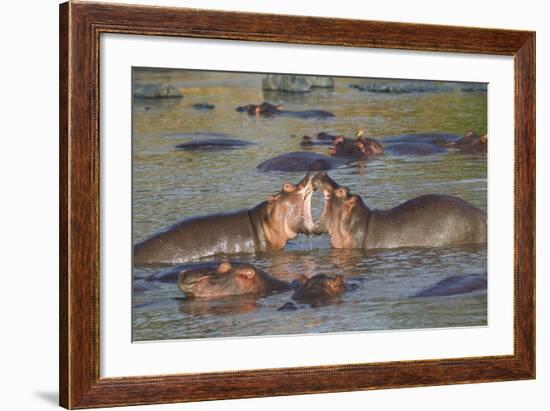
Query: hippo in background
[
  {"x": 203, "y": 106},
  {"x": 471, "y": 143},
  {"x": 270, "y": 110},
  {"x": 454, "y": 285},
  {"x": 227, "y": 278},
  {"x": 431, "y": 220},
  {"x": 301, "y": 161},
  {"x": 321, "y": 139},
  {"x": 267, "y": 226},
  {"x": 212, "y": 144},
  {"x": 414, "y": 149},
  {"x": 362, "y": 148}
]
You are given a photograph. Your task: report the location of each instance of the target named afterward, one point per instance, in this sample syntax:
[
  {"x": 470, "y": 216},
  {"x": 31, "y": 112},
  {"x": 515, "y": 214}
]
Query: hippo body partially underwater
[
  {"x": 425, "y": 221},
  {"x": 317, "y": 291},
  {"x": 301, "y": 161},
  {"x": 267, "y": 226},
  {"x": 454, "y": 285},
  {"x": 227, "y": 278},
  {"x": 270, "y": 110}
]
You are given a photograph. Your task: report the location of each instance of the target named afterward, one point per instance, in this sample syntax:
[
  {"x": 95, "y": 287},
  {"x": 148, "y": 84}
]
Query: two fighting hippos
[{"x": 425, "y": 221}]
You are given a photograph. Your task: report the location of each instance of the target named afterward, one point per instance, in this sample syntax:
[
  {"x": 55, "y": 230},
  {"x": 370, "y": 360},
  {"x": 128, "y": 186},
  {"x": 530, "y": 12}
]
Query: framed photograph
[{"x": 260, "y": 205}]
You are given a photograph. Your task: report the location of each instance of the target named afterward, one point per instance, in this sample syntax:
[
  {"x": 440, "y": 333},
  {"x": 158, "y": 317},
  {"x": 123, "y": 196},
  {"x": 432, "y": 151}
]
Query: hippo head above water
[
  {"x": 288, "y": 212},
  {"x": 265, "y": 109},
  {"x": 342, "y": 212},
  {"x": 361, "y": 148},
  {"x": 227, "y": 278},
  {"x": 318, "y": 287}
]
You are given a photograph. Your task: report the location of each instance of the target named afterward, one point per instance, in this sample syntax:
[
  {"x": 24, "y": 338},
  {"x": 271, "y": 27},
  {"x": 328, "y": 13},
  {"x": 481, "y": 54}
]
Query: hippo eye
[{"x": 288, "y": 187}]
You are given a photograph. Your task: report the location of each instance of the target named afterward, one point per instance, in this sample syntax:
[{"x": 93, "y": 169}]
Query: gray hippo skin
[
  {"x": 301, "y": 161},
  {"x": 225, "y": 278},
  {"x": 431, "y": 220},
  {"x": 457, "y": 284},
  {"x": 269, "y": 110},
  {"x": 268, "y": 226},
  {"x": 213, "y": 144},
  {"x": 414, "y": 149}
]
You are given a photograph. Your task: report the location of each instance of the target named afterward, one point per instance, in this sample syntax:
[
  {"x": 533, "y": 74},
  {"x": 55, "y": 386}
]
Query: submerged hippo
[
  {"x": 457, "y": 284},
  {"x": 471, "y": 143},
  {"x": 221, "y": 279},
  {"x": 430, "y": 138},
  {"x": 267, "y": 226},
  {"x": 427, "y": 221},
  {"x": 269, "y": 110},
  {"x": 321, "y": 139},
  {"x": 203, "y": 106},
  {"x": 414, "y": 149},
  {"x": 362, "y": 148},
  {"x": 321, "y": 289},
  {"x": 301, "y": 161},
  {"x": 213, "y": 144}
]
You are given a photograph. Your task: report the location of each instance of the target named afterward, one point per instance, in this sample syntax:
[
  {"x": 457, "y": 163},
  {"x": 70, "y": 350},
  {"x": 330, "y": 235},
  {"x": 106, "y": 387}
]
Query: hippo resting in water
[
  {"x": 301, "y": 161},
  {"x": 267, "y": 226},
  {"x": 426, "y": 221},
  {"x": 268, "y": 110},
  {"x": 471, "y": 143},
  {"x": 212, "y": 144},
  {"x": 221, "y": 279},
  {"x": 362, "y": 148},
  {"x": 454, "y": 285},
  {"x": 321, "y": 139},
  {"x": 321, "y": 289}
]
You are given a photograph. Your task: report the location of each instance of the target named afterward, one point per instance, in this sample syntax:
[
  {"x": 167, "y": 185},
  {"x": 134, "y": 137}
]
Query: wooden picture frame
[{"x": 80, "y": 27}]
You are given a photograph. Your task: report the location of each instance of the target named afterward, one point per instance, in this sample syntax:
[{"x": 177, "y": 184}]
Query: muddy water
[{"x": 169, "y": 185}]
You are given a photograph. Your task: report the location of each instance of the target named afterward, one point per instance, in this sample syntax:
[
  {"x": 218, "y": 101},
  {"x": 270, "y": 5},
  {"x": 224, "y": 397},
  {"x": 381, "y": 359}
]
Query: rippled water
[{"x": 170, "y": 185}]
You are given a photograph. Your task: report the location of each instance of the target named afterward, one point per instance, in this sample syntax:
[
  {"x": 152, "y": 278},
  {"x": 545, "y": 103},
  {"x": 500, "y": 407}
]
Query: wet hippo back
[
  {"x": 301, "y": 161},
  {"x": 457, "y": 284},
  {"x": 414, "y": 149},
  {"x": 307, "y": 114},
  {"x": 200, "y": 236},
  {"x": 426, "y": 221}
]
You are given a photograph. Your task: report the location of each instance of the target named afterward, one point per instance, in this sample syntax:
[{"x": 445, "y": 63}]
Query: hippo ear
[
  {"x": 272, "y": 197},
  {"x": 288, "y": 187},
  {"x": 338, "y": 139},
  {"x": 224, "y": 267},
  {"x": 247, "y": 272},
  {"x": 341, "y": 192},
  {"x": 279, "y": 106}
]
